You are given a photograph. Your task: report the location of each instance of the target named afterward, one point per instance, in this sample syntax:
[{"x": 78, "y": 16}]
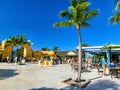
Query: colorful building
[{"x": 28, "y": 52}]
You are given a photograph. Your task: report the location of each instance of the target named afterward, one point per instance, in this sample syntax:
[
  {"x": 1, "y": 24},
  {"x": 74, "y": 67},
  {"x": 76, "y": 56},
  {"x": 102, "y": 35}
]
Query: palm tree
[
  {"x": 22, "y": 40},
  {"x": 12, "y": 41},
  {"x": 78, "y": 15},
  {"x": 55, "y": 49},
  {"x": 19, "y": 52},
  {"x": 116, "y": 17},
  {"x": 18, "y": 40},
  {"x": 45, "y": 49}
]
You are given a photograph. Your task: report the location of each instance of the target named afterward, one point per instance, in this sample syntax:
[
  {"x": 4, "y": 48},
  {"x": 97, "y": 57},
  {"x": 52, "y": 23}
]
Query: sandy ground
[{"x": 33, "y": 77}]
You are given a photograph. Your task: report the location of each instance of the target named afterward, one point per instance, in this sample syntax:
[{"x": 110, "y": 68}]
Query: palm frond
[
  {"x": 81, "y": 1},
  {"x": 85, "y": 24},
  {"x": 73, "y": 11},
  {"x": 83, "y": 6},
  {"x": 117, "y": 5},
  {"x": 73, "y": 3},
  {"x": 91, "y": 14},
  {"x": 65, "y": 13},
  {"x": 78, "y": 13},
  {"x": 115, "y": 18},
  {"x": 63, "y": 24}
]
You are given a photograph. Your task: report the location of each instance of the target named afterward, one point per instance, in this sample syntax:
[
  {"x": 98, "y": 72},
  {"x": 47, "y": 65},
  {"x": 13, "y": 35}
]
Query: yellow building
[
  {"x": 28, "y": 52},
  {"x": 42, "y": 54},
  {"x": 7, "y": 51}
]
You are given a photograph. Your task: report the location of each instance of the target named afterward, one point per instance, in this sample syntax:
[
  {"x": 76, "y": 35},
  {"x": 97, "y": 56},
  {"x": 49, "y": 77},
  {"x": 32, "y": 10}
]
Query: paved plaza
[{"x": 33, "y": 77}]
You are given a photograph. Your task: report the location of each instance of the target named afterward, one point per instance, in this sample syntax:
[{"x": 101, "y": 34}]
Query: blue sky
[{"x": 35, "y": 18}]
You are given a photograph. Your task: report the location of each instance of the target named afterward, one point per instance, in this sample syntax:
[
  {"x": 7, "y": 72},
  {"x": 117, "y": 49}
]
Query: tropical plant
[
  {"x": 116, "y": 17},
  {"x": 45, "y": 49},
  {"x": 117, "y": 6},
  {"x": 12, "y": 41},
  {"x": 15, "y": 41},
  {"x": 19, "y": 52},
  {"x": 85, "y": 45},
  {"x": 78, "y": 14},
  {"x": 22, "y": 40},
  {"x": 55, "y": 49}
]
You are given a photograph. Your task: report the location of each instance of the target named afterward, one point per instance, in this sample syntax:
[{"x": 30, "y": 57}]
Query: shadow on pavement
[
  {"x": 7, "y": 73},
  {"x": 96, "y": 78},
  {"x": 44, "y": 88},
  {"x": 98, "y": 85}
]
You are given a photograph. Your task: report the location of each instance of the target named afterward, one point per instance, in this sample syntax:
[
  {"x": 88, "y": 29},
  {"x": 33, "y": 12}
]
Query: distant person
[
  {"x": 23, "y": 60},
  {"x": 33, "y": 59},
  {"x": 103, "y": 64},
  {"x": 89, "y": 63},
  {"x": 75, "y": 65},
  {"x": 8, "y": 59},
  {"x": 41, "y": 61},
  {"x": 112, "y": 64},
  {"x": 15, "y": 61},
  {"x": 113, "y": 71},
  {"x": 71, "y": 60}
]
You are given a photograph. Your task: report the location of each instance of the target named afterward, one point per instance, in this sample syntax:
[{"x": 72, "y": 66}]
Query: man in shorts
[{"x": 103, "y": 64}]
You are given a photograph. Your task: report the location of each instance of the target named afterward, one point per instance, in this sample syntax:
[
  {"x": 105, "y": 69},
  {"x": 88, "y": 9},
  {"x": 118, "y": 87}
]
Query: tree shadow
[
  {"x": 44, "y": 88},
  {"x": 96, "y": 77},
  {"x": 98, "y": 85},
  {"x": 85, "y": 70},
  {"x": 7, "y": 73}
]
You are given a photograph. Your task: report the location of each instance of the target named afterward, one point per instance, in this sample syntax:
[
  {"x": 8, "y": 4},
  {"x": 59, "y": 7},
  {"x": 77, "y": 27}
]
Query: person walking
[
  {"x": 41, "y": 62},
  {"x": 15, "y": 62},
  {"x": 88, "y": 64},
  {"x": 103, "y": 64},
  {"x": 8, "y": 59}
]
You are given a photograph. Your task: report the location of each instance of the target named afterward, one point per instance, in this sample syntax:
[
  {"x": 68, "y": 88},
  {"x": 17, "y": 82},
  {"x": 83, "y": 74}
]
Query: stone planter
[{"x": 83, "y": 83}]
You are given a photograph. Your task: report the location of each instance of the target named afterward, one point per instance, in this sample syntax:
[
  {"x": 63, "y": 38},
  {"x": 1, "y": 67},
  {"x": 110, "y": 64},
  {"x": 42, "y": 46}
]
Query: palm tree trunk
[{"x": 79, "y": 53}]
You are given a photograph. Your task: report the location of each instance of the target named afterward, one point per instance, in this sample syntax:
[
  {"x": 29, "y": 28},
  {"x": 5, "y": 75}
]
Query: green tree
[
  {"x": 55, "y": 49},
  {"x": 19, "y": 52},
  {"x": 15, "y": 41},
  {"x": 45, "y": 49},
  {"x": 85, "y": 45},
  {"x": 78, "y": 14},
  {"x": 116, "y": 17},
  {"x": 12, "y": 41},
  {"x": 22, "y": 40}
]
